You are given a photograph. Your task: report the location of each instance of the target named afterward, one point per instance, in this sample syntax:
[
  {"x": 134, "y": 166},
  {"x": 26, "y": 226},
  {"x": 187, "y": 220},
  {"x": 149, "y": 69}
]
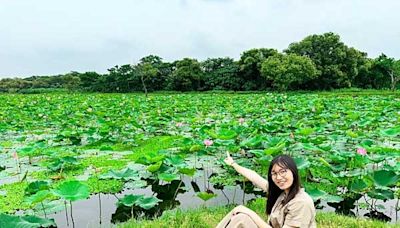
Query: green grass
[{"x": 209, "y": 217}]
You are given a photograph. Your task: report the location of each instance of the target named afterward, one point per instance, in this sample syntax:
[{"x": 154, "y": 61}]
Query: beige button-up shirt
[{"x": 298, "y": 212}]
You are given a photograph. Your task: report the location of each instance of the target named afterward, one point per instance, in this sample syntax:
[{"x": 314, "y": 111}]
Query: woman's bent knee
[{"x": 242, "y": 220}]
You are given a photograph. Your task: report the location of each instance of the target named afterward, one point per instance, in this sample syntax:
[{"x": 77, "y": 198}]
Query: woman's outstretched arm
[{"x": 252, "y": 176}]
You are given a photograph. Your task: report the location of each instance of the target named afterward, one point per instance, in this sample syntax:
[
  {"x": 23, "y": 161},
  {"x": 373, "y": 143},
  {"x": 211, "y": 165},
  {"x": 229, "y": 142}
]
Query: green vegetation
[
  {"x": 12, "y": 197},
  {"x": 318, "y": 62},
  {"x": 347, "y": 142},
  {"x": 209, "y": 217}
]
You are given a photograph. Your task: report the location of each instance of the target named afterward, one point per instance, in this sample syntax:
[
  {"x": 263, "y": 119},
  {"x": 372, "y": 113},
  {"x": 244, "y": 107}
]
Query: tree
[
  {"x": 88, "y": 80},
  {"x": 288, "y": 71},
  {"x": 153, "y": 71},
  {"x": 388, "y": 67},
  {"x": 221, "y": 74},
  {"x": 14, "y": 85},
  {"x": 71, "y": 81},
  {"x": 118, "y": 79},
  {"x": 145, "y": 71},
  {"x": 339, "y": 64},
  {"x": 186, "y": 75},
  {"x": 250, "y": 68}
]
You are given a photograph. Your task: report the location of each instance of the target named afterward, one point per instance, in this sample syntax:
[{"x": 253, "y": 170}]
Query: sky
[{"x": 49, "y": 37}]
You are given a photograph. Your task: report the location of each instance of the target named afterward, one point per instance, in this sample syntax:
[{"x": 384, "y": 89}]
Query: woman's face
[{"x": 282, "y": 177}]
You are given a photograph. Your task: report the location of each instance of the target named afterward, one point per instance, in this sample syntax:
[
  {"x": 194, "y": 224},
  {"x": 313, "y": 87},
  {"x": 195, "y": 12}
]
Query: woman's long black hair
[{"x": 274, "y": 191}]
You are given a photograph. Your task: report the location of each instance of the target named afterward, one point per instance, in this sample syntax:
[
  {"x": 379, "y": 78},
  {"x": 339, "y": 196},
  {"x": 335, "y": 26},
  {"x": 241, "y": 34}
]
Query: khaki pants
[{"x": 237, "y": 221}]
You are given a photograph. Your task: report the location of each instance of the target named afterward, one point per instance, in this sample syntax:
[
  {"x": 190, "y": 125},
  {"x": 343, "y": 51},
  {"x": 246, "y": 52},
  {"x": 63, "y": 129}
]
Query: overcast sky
[{"x": 47, "y": 37}]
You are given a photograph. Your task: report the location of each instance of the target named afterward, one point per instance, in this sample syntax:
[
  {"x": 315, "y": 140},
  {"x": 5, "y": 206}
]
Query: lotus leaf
[
  {"x": 187, "y": 171},
  {"x": 154, "y": 167},
  {"x": 36, "y": 186},
  {"x": 392, "y": 132},
  {"x": 148, "y": 202},
  {"x": 301, "y": 162},
  {"x": 168, "y": 176},
  {"x": 385, "y": 178},
  {"x": 252, "y": 142},
  {"x": 129, "y": 200},
  {"x": 382, "y": 194},
  {"x": 124, "y": 174},
  {"x": 206, "y": 195},
  {"x": 11, "y": 221},
  {"x": 72, "y": 190},
  {"x": 38, "y": 197}
]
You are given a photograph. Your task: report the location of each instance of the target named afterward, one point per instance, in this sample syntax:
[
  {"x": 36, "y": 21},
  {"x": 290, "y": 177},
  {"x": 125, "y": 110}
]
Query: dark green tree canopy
[
  {"x": 221, "y": 74},
  {"x": 289, "y": 71},
  {"x": 250, "y": 68},
  {"x": 338, "y": 64},
  {"x": 186, "y": 75},
  {"x": 333, "y": 65}
]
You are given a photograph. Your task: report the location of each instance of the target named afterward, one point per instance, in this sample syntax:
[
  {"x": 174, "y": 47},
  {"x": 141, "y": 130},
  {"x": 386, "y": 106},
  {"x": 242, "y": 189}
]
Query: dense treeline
[{"x": 318, "y": 62}]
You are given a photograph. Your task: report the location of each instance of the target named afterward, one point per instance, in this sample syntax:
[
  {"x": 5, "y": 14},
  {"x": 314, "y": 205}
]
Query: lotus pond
[{"x": 83, "y": 160}]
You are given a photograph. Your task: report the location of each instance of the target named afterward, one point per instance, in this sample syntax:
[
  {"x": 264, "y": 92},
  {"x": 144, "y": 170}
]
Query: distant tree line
[{"x": 318, "y": 62}]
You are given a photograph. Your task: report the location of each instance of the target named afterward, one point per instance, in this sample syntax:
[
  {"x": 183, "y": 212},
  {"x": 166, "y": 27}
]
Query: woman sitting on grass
[{"x": 288, "y": 205}]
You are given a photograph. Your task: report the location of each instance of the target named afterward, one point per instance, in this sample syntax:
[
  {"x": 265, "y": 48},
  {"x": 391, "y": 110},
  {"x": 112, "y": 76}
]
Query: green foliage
[
  {"x": 28, "y": 221},
  {"x": 187, "y": 75},
  {"x": 153, "y": 72},
  {"x": 250, "y": 64},
  {"x": 287, "y": 72},
  {"x": 97, "y": 185},
  {"x": 129, "y": 200},
  {"x": 221, "y": 74},
  {"x": 206, "y": 195},
  {"x": 124, "y": 174},
  {"x": 338, "y": 63},
  {"x": 139, "y": 200},
  {"x": 38, "y": 197},
  {"x": 168, "y": 177},
  {"x": 14, "y": 197},
  {"x": 385, "y": 178},
  {"x": 387, "y": 71},
  {"x": 322, "y": 131},
  {"x": 337, "y": 66},
  {"x": 72, "y": 190},
  {"x": 37, "y": 186}
]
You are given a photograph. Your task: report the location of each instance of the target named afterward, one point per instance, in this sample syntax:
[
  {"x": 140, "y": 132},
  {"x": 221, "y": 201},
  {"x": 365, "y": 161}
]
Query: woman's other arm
[{"x": 252, "y": 176}]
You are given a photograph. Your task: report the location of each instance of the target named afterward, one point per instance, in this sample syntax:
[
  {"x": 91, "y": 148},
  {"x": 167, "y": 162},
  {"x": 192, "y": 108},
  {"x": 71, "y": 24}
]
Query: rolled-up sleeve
[{"x": 299, "y": 214}]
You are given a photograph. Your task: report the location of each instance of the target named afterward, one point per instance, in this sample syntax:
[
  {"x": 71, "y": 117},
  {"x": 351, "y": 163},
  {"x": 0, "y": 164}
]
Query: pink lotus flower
[
  {"x": 15, "y": 155},
  {"x": 179, "y": 124},
  {"x": 208, "y": 142},
  {"x": 362, "y": 151},
  {"x": 241, "y": 120}
]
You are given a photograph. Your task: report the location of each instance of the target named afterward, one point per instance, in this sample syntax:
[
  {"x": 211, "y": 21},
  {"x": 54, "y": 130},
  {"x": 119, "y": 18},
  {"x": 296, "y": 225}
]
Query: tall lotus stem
[
  {"x": 244, "y": 192},
  {"x": 66, "y": 212},
  {"x": 204, "y": 176},
  {"x": 72, "y": 217},
  {"x": 397, "y": 207},
  {"x": 177, "y": 189},
  {"x": 44, "y": 211},
  {"x": 100, "y": 207},
  {"x": 234, "y": 195},
  {"x": 222, "y": 190}
]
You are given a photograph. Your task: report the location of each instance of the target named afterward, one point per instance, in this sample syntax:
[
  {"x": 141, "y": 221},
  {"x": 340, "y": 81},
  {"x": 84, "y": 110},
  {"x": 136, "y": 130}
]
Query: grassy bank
[{"x": 209, "y": 217}]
